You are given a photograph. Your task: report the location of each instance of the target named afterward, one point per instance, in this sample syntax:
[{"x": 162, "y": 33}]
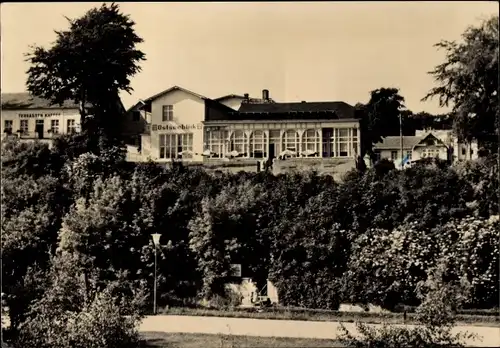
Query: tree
[
  {"x": 380, "y": 117},
  {"x": 468, "y": 79},
  {"x": 90, "y": 64}
]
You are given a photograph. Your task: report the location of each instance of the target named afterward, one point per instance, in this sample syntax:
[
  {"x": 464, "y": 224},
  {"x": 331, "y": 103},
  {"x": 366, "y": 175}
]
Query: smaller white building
[
  {"x": 28, "y": 117},
  {"x": 414, "y": 148},
  {"x": 458, "y": 151}
]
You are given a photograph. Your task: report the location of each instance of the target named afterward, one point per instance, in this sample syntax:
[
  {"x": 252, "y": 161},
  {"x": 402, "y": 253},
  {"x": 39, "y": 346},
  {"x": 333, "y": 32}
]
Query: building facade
[
  {"x": 415, "y": 148},
  {"x": 458, "y": 151},
  {"x": 238, "y": 131},
  {"x": 29, "y": 118}
]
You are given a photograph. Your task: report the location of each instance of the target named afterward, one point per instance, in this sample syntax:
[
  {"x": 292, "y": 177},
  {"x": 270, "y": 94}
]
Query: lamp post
[{"x": 156, "y": 242}]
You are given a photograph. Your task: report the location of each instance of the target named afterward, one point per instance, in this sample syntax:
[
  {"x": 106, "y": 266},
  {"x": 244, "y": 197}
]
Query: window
[
  {"x": 136, "y": 116},
  {"x": 394, "y": 155},
  {"x": 258, "y": 144},
  {"x": 71, "y": 127},
  {"x": 291, "y": 140},
  {"x": 355, "y": 140},
  {"x": 430, "y": 153},
  {"x": 238, "y": 142},
  {"x": 168, "y": 113},
  {"x": 342, "y": 138},
  {"x": 463, "y": 151},
  {"x": 54, "y": 126},
  {"x": 215, "y": 142},
  {"x": 173, "y": 146},
  {"x": 274, "y": 142},
  {"x": 377, "y": 155},
  {"x": 408, "y": 155},
  {"x": 310, "y": 142},
  {"x": 7, "y": 126},
  {"x": 23, "y": 126}
]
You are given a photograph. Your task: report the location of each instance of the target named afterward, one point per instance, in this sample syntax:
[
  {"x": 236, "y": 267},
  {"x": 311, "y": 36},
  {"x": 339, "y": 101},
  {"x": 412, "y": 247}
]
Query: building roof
[
  {"x": 229, "y": 96},
  {"x": 27, "y": 101},
  {"x": 409, "y": 142},
  {"x": 303, "y": 110},
  {"x": 171, "y": 89}
]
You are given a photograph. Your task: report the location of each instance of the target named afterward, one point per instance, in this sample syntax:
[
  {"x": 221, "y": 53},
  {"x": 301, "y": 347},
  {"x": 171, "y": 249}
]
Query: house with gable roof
[
  {"x": 417, "y": 147},
  {"x": 183, "y": 125}
]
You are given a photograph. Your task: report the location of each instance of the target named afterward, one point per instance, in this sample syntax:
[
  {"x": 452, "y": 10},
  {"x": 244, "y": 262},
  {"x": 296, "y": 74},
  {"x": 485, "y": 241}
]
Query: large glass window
[
  {"x": 274, "y": 143},
  {"x": 174, "y": 146},
  {"x": 342, "y": 139},
  {"x": 215, "y": 142},
  {"x": 310, "y": 142},
  {"x": 258, "y": 144},
  {"x": 355, "y": 140},
  {"x": 238, "y": 142},
  {"x": 291, "y": 140}
]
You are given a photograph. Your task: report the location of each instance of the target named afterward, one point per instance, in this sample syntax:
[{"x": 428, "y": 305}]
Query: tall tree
[
  {"x": 380, "y": 117},
  {"x": 90, "y": 63},
  {"x": 468, "y": 80}
]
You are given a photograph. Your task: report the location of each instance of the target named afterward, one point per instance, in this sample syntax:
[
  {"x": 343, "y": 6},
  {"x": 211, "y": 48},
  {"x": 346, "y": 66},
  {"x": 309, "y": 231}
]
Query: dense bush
[
  {"x": 435, "y": 316},
  {"x": 370, "y": 238}
]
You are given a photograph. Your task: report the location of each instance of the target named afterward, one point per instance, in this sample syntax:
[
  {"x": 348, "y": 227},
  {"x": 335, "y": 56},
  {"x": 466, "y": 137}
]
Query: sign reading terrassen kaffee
[{"x": 158, "y": 127}]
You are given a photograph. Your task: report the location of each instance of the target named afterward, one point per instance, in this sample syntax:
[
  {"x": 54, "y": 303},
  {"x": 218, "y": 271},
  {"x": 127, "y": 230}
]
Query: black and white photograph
[{"x": 250, "y": 174}]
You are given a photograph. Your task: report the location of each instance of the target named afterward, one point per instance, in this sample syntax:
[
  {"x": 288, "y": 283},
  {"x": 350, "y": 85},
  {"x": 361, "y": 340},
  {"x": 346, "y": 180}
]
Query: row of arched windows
[{"x": 257, "y": 144}]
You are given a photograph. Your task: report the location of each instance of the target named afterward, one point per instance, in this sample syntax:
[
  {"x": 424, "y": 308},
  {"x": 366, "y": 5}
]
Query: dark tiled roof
[
  {"x": 28, "y": 101},
  {"x": 394, "y": 142},
  {"x": 304, "y": 110}
]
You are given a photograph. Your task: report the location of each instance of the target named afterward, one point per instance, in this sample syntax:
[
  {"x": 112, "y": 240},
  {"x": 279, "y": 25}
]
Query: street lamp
[{"x": 156, "y": 241}]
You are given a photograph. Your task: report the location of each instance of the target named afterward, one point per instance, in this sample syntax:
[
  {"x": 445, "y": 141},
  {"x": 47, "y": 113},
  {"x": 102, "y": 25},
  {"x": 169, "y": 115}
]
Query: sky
[{"x": 313, "y": 51}]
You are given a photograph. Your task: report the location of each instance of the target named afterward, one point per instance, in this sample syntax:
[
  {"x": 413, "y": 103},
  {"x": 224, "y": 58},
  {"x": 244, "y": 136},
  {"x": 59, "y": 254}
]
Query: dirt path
[{"x": 280, "y": 328}]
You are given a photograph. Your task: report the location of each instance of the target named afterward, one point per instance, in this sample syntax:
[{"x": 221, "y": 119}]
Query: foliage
[
  {"x": 483, "y": 177},
  {"x": 33, "y": 159},
  {"x": 90, "y": 63},
  {"x": 380, "y": 116},
  {"x": 438, "y": 298},
  {"x": 468, "y": 79},
  {"x": 98, "y": 325}
]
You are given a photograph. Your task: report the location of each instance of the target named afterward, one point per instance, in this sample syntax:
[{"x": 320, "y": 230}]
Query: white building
[
  {"x": 414, "y": 148},
  {"x": 183, "y": 125},
  {"x": 425, "y": 143},
  {"x": 28, "y": 117},
  {"x": 458, "y": 151}
]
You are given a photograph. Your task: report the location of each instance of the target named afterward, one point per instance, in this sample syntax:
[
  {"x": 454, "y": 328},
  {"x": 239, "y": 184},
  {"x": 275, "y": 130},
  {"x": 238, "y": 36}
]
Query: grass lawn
[{"x": 183, "y": 340}]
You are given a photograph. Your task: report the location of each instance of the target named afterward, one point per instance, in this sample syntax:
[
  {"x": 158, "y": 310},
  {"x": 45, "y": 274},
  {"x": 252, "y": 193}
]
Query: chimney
[
  {"x": 246, "y": 95},
  {"x": 265, "y": 94},
  {"x": 303, "y": 101}
]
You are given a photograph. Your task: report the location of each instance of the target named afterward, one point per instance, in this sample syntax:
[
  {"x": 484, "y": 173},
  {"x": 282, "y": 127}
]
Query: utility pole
[{"x": 401, "y": 137}]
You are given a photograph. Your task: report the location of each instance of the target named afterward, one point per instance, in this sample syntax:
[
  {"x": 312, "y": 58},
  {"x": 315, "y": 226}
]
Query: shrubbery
[{"x": 371, "y": 238}]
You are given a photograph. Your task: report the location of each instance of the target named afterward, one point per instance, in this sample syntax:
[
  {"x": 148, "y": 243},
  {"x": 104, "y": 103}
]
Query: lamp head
[{"x": 156, "y": 238}]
